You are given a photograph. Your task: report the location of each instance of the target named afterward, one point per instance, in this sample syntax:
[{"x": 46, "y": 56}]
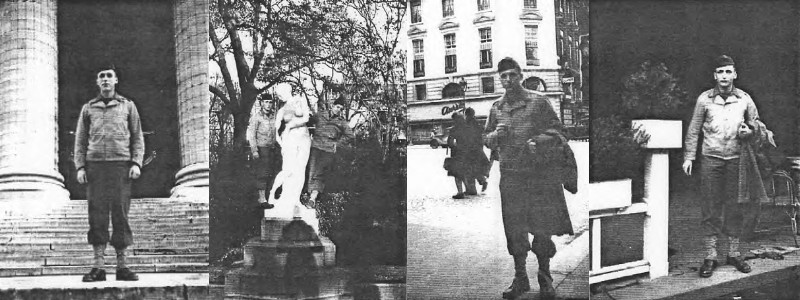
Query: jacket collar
[
  {"x": 717, "y": 91},
  {"x": 519, "y": 103},
  {"x": 97, "y": 102}
]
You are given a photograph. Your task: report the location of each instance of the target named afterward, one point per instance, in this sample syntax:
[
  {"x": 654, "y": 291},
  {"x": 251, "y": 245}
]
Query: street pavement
[{"x": 457, "y": 249}]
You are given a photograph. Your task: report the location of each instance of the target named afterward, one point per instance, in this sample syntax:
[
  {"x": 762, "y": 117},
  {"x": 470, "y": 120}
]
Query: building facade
[
  {"x": 33, "y": 129},
  {"x": 453, "y": 51}
]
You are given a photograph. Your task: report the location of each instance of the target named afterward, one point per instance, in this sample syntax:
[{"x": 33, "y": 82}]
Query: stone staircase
[{"x": 170, "y": 235}]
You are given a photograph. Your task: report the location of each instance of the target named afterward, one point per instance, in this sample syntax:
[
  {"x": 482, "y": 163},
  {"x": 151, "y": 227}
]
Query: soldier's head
[
  {"x": 107, "y": 79},
  {"x": 510, "y": 74},
  {"x": 725, "y": 71},
  {"x": 338, "y": 105}
]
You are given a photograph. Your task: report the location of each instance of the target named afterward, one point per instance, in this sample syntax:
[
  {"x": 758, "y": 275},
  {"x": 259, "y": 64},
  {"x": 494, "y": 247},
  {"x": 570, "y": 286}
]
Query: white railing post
[
  {"x": 656, "y": 222},
  {"x": 663, "y": 135}
]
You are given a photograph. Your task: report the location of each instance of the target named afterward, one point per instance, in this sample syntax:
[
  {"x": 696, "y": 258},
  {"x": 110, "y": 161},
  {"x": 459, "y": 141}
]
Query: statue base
[{"x": 288, "y": 261}]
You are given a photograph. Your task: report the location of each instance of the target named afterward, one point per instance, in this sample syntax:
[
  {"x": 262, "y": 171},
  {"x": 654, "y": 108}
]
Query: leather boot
[
  {"x": 521, "y": 284},
  {"x": 546, "y": 289}
]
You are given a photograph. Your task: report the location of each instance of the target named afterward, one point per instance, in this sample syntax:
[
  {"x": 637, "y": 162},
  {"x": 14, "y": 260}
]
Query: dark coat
[{"x": 531, "y": 190}]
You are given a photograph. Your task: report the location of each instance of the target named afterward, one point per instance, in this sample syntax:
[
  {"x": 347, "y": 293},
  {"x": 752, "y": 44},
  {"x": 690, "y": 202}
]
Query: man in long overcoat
[{"x": 520, "y": 125}]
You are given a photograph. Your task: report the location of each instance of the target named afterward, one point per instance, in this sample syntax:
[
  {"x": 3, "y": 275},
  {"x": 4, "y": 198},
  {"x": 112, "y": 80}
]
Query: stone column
[
  {"x": 29, "y": 101},
  {"x": 191, "y": 60}
]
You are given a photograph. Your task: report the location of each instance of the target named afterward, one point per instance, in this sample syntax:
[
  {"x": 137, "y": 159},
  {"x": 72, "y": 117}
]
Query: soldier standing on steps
[{"x": 109, "y": 147}]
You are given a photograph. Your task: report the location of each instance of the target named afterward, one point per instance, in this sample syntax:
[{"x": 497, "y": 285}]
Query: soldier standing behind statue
[
  {"x": 532, "y": 198},
  {"x": 261, "y": 137},
  {"x": 331, "y": 130},
  {"x": 109, "y": 147}
]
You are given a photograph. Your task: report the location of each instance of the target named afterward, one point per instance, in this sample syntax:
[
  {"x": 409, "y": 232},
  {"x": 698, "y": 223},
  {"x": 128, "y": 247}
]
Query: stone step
[
  {"x": 86, "y": 250},
  {"x": 131, "y": 259},
  {"x": 74, "y": 270},
  {"x": 149, "y": 287},
  {"x": 169, "y": 235},
  {"x": 81, "y": 231},
  {"x": 53, "y": 223},
  {"x": 69, "y": 244},
  {"x": 74, "y": 238},
  {"x": 87, "y": 260}
]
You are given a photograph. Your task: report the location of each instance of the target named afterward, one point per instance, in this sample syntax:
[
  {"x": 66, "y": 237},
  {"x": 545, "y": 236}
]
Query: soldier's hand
[
  {"x": 687, "y": 167},
  {"x": 745, "y": 131},
  {"x": 532, "y": 145},
  {"x": 255, "y": 154},
  {"x": 134, "y": 172},
  {"x": 82, "y": 176}
]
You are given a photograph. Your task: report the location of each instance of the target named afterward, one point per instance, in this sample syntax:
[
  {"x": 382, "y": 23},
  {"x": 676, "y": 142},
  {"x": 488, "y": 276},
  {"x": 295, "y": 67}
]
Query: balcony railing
[
  {"x": 450, "y": 69},
  {"x": 419, "y": 73},
  {"x": 485, "y": 64},
  {"x": 532, "y": 62}
]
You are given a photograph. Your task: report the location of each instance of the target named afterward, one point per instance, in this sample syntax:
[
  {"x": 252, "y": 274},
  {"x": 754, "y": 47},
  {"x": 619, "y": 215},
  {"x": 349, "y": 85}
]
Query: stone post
[
  {"x": 191, "y": 60},
  {"x": 29, "y": 101}
]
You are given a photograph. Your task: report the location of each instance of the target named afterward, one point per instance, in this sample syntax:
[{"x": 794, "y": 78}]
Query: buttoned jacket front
[
  {"x": 329, "y": 131},
  {"x": 527, "y": 118},
  {"x": 719, "y": 120},
  {"x": 109, "y": 132}
]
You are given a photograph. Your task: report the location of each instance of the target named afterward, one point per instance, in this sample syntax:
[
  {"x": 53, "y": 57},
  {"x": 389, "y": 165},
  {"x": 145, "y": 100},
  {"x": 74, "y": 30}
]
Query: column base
[
  {"x": 192, "y": 182},
  {"x": 288, "y": 261},
  {"x": 21, "y": 185}
]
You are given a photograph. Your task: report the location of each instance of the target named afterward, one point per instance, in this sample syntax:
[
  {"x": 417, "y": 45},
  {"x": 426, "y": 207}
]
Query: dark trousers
[
  {"x": 721, "y": 213},
  {"x": 265, "y": 166},
  {"x": 109, "y": 191},
  {"x": 321, "y": 163}
]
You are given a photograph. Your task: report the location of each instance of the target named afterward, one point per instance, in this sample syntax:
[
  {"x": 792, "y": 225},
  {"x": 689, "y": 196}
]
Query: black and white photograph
[
  {"x": 103, "y": 149},
  {"x": 498, "y": 161},
  {"x": 694, "y": 142},
  {"x": 308, "y": 149}
]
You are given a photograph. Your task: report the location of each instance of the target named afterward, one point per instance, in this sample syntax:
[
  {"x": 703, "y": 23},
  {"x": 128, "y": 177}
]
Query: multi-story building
[{"x": 454, "y": 51}]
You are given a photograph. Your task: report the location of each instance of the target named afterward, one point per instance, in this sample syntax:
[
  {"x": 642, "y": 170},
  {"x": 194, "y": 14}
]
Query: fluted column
[
  {"x": 191, "y": 57},
  {"x": 29, "y": 101}
]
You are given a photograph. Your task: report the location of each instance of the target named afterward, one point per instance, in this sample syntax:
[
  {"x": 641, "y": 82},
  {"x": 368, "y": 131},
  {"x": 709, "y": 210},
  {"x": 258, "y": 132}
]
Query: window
[
  {"x": 418, "y": 47},
  {"x": 486, "y": 59},
  {"x": 419, "y": 68},
  {"x": 452, "y": 90},
  {"x": 447, "y": 8},
  {"x": 450, "y": 63},
  {"x": 487, "y": 83},
  {"x": 486, "y": 48},
  {"x": 420, "y": 92},
  {"x": 529, "y": 4},
  {"x": 486, "y": 35},
  {"x": 416, "y": 13},
  {"x": 483, "y": 5},
  {"x": 450, "y": 41},
  {"x": 531, "y": 46},
  {"x": 419, "y": 58}
]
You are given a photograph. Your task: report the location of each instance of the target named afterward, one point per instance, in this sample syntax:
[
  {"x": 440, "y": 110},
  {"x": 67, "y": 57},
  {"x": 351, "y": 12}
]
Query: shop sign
[{"x": 453, "y": 108}]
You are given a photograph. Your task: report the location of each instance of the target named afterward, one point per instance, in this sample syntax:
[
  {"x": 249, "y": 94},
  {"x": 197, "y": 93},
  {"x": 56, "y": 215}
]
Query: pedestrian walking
[
  {"x": 109, "y": 148},
  {"x": 472, "y": 144},
  {"x": 520, "y": 125},
  {"x": 720, "y": 114},
  {"x": 457, "y": 162}
]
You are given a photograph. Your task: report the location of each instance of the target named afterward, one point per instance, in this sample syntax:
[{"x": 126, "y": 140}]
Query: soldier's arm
[
  {"x": 81, "y": 139},
  {"x": 693, "y": 133},
  {"x": 137, "y": 136},
  {"x": 252, "y": 127},
  {"x": 490, "y": 136}
]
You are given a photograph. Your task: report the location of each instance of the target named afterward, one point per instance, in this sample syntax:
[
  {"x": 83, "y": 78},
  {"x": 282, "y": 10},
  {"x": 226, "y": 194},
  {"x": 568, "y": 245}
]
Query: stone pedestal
[
  {"x": 28, "y": 101},
  {"x": 288, "y": 261}
]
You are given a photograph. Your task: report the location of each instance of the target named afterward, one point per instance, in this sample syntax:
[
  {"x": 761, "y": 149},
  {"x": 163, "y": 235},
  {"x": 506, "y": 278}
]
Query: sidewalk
[
  {"x": 683, "y": 281},
  {"x": 457, "y": 248}
]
